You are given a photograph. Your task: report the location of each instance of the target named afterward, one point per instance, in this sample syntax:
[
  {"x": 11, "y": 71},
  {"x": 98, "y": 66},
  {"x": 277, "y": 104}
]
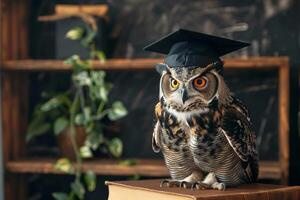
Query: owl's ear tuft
[{"x": 161, "y": 67}]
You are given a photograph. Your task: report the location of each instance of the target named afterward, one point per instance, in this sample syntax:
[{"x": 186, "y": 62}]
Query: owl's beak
[{"x": 184, "y": 95}]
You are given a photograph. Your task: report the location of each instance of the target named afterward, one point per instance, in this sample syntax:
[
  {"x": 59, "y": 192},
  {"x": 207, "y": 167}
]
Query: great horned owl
[{"x": 204, "y": 132}]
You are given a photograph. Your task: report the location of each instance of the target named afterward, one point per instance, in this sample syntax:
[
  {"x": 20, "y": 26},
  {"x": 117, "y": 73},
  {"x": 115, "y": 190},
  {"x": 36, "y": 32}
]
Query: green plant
[{"x": 85, "y": 104}]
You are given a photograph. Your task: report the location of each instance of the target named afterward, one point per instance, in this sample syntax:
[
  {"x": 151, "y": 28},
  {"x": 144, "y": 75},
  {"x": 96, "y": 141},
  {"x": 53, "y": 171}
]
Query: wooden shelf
[
  {"x": 136, "y": 64},
  {"x": 148, "y": 167}
]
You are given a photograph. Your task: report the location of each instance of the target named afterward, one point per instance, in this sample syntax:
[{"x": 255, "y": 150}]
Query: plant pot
[{"x": 65, "y": 143}]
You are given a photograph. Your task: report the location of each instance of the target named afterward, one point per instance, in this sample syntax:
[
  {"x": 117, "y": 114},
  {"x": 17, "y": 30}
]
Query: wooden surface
[
  {"x": 150, "y": 189},
  {"x": 148, "y": 167},
  {"x": 137, "y": 64}
]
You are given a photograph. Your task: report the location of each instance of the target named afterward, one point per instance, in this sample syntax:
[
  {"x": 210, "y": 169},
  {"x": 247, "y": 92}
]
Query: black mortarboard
[{"x": 186, "y": 48}]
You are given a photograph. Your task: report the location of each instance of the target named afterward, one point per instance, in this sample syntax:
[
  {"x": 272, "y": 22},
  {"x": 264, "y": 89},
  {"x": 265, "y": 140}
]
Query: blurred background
[{"x": 74, "y": 78}]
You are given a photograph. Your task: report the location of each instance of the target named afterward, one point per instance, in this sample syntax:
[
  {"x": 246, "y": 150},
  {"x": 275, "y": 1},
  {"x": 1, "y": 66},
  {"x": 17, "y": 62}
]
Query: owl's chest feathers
[{"x": 181, "y": 129}]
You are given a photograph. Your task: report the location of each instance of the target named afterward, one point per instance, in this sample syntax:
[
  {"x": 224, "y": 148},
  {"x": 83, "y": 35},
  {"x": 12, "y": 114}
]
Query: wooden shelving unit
[
  {"x": 15, "y": 96},
  {"x": 268, "y": 170},
  {"x": 143, "y": 167}
]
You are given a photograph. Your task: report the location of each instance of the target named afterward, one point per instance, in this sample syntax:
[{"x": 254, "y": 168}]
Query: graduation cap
[{"x": 186, "y": 48}]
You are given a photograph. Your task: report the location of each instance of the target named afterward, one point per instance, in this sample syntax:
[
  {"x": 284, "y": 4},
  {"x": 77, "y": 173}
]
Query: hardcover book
[{"x": 151, "y": 190}]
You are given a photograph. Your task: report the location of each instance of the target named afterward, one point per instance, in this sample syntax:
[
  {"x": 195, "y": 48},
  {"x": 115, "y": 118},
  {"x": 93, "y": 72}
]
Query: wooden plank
[
  {"x": 148, "y": 167},
  {"x": 97, "y": 10},
  {"x": 13, "y": 30},
  {"x": 23, "y": 17},
  {"x": 19, "y": 118},
  {"x": 10, "y": 180},
  {"x": 14, "y": 92},
  {"x": 6, "y": 116},
  {"x": 15, "y": 186},
  {"x": 145, "y": 167},
  {"x": 283, "y": 119},
  {"x": 14, "y": 116},
  {"x": 137, "y": 64},
  {"x": 13, "y": 45},
  {"x": 4, "y": 31}
]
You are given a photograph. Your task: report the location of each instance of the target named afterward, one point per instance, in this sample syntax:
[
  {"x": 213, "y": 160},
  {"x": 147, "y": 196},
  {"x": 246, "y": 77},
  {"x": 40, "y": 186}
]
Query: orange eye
[{"x": 200, "y": 82}]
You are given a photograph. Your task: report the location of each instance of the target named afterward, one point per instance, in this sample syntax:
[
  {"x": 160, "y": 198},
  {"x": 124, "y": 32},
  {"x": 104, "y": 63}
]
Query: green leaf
[
  {"x": 60, "y": 196},
  {"x": 82, "y": 78},
  {"x": 94, "y": 139},
  {"x": 99, "y": 89},
  {"x": 99, "y": 54},
  {"x": 75, "y": 33},
  {"x": 127, "y": 162},
  {"x": 103, "y": 93},
  {"x": 85, "y": 64},
  {"x": 79, "y": 119},
  {"x": 55, "y": 102},
  {"x": 50, "y": 104},
  {"x": 117, "y": 111},
  {"x": 72, "y": 60},
  {"x": 85, "y": 152},
  {"x": 98, "y": 77},
  {"x": 60, "y": 124},
  {"x": 90, "y": 180},
  {"x": 87, "y": 113},
  {"x": 64, "y": 165},
  {"x": 78, "y": 64},
  {"x": 78, "y": 189},
  {"x": 115, "y": 147},
  {"x": 36, "y": 130}
]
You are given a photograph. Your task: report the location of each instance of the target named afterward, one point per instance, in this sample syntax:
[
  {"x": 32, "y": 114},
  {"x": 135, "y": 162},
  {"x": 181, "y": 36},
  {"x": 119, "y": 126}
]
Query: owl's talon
[
  {"x": 192, "y": 185},
  {"x": 218, "y": 186},
  {"x": 170, "y": 183},
  {"x": 186, "y": 184},
  {"x": 199, "y": 186},
  {"x": 183, "y": 184},
  {"x": 163, "y": 182}
]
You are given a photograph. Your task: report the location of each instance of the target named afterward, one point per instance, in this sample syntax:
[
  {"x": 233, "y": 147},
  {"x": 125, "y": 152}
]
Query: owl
[{"x": 203, "y": 132}]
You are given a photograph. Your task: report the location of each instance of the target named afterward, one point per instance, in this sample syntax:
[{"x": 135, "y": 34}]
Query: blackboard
[{"x": 271, "y": 26}]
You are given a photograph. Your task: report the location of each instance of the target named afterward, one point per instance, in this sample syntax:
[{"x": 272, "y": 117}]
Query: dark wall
[{"x": 271, "y": 26}]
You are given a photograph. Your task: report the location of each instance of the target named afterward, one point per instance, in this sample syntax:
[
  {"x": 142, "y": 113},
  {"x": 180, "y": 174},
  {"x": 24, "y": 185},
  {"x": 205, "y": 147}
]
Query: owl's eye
[
  {"x": 200, "y": 82},
  {"x": 174, "y": 84}
]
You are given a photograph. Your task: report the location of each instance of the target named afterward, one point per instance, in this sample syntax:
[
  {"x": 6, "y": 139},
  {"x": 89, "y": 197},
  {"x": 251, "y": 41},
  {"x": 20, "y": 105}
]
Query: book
[{"x": 151, "y": 190}]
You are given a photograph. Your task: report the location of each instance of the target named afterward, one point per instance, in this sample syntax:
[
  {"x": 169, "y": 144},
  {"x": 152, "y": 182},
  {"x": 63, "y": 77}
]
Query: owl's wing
[
  {"x": 157, "y": 129},
  {"x": 155, "y": 138},
  {"x": 237, "y": 128}
]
